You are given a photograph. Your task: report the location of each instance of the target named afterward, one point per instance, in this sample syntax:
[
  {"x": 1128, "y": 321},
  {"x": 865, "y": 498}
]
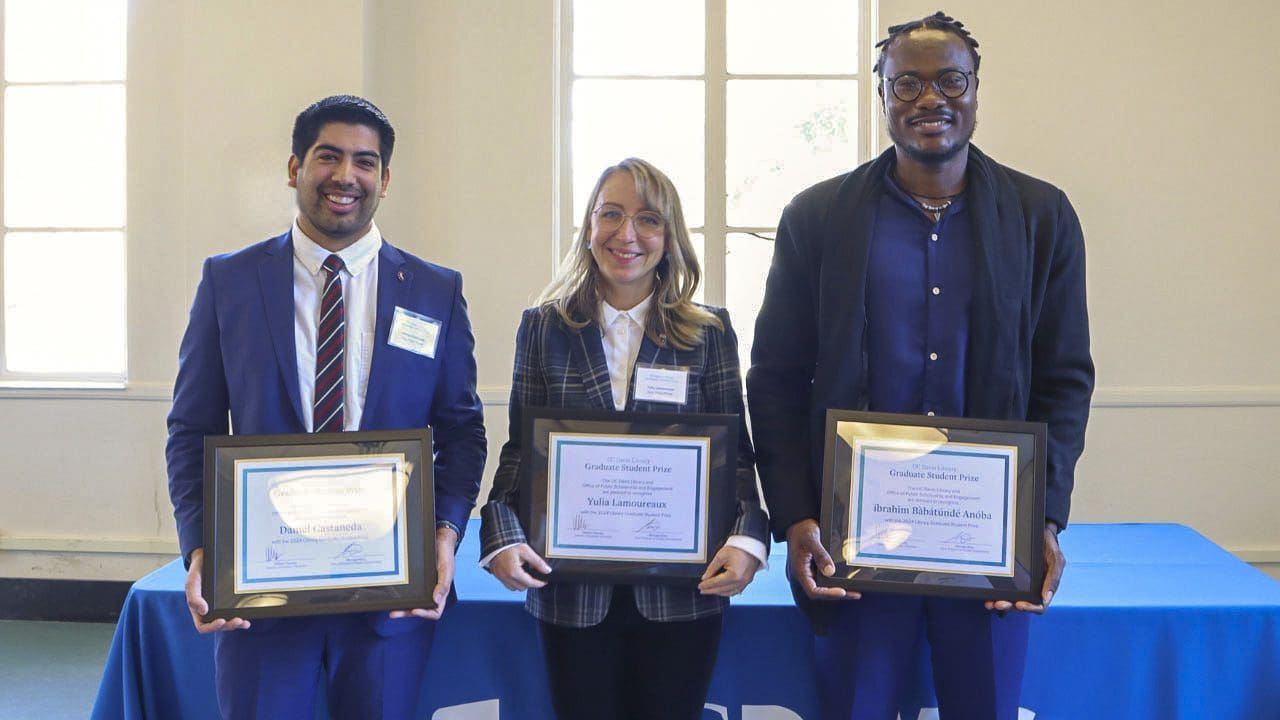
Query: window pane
[
  {"x": 64, "y": 156},
  {"x": 51, "y": 40},
  {"x": 608, "y": 126},
  {"x": 747, "y": 259},
  {"x": 623, "y": 37},
  {"x": 800, "y": 36},
  {"x": 699, "y": 243},
  {"x": 784, "y": 135},
  {"x": 64, "y": 302}
]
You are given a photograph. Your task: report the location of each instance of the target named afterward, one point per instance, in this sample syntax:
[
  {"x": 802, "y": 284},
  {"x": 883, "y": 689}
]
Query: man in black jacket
[{"x": 935, "y": 281}]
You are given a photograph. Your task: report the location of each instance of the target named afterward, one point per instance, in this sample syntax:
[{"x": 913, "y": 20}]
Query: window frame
[{"x": 715, "y": 77}]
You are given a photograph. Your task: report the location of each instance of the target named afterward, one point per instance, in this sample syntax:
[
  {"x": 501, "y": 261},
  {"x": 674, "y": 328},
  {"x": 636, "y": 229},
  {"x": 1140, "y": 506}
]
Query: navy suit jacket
[
  {"x": 238, "y": 371},
  {"x": 558, "y": 366},
  {"x": 1028, "y": 327}
]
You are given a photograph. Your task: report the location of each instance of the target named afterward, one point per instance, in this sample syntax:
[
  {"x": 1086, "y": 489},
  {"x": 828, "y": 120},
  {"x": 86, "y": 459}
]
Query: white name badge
[
  {"x": 413, "y": 332},
  {"x": 662, "y": 385}
]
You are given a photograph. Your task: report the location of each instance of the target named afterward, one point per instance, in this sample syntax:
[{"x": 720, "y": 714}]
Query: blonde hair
[{"x": 674, "y": 319}]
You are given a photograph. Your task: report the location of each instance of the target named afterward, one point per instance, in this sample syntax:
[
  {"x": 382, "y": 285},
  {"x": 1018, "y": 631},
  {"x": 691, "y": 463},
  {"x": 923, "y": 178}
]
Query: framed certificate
[
  {"x": 934, "y": 506},
  {"x": 627, "y": 497},
  {"x": 318, "y": 523}
]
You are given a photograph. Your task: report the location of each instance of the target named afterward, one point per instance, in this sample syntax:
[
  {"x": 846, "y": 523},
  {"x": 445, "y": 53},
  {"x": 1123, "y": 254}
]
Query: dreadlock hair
[{"x": 936, "y": 21}]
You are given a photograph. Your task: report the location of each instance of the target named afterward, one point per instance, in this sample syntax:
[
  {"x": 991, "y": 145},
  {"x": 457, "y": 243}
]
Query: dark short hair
[
  {"x": 342, "y": 109},
  {"x": 937, "y": 21}
]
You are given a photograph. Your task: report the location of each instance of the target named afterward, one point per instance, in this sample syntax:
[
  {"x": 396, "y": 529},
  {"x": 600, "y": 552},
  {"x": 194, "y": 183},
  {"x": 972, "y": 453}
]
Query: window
[
  {"x": 743, "y": 103},
  {"x": 63, "y": 209}
]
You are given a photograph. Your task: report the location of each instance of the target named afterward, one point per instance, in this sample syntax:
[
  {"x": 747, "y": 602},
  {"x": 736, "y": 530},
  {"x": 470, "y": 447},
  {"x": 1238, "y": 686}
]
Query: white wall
[
  {"x": 1153, "y": 119},
  {"x": 1158, "y": 124}
]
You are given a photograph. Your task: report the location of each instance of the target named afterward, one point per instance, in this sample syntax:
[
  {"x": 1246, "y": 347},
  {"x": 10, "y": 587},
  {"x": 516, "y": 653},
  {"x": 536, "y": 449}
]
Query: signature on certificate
[
  {"x": 652, "y": 524},
  {"x": 960, "y": 538},
  {"x": 351, "y": 552},
  {"x": 580, "y": 522},
  {"x": 272, "y": 553}
]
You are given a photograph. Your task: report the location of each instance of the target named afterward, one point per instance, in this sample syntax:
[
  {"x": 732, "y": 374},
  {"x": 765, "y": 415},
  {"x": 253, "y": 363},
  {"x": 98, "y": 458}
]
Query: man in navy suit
[
  {"x": 935, "y": 281},
  {"x": 249, "y": 364}
]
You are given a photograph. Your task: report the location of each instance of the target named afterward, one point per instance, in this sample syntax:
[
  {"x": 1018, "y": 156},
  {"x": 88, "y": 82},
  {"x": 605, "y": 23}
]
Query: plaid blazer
[{"x": 557, "y": 366}]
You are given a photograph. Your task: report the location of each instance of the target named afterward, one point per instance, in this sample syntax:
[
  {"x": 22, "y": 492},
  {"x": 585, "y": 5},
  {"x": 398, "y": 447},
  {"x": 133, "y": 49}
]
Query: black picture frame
[
  {"x": 1020, "y": 573},
  {"x": 402, "y": 456},
  {"x": 721, "y": 432}
]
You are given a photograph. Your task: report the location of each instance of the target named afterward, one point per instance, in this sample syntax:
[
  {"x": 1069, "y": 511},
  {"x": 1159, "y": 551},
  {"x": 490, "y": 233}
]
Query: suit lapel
[
  {"x": 275, "y": 276},
  {"x": 995, "y": 316},
  {"x": 845, "y": 256},
  {"x": 395, "y": 285},
  {"x": 998, "y": 233},
  {"x": 649, "y": 355},
  {"x": 587, "y": 351}
]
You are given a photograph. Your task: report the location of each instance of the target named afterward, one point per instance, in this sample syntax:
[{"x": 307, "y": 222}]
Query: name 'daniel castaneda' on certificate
[
  {"x": 925, "y": 506},
  {"x": 331, "y": 522},
  {"x": 627, "y": 497}
]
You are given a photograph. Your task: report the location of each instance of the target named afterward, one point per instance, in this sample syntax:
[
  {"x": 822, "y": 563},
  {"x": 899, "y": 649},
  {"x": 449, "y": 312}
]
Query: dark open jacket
[{"x": 1029, "y": 329}]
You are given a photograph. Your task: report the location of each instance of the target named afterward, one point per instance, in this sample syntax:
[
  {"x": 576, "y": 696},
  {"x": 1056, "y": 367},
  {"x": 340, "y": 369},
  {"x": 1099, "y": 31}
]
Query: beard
[
  {"x": 931, "y": 157},
  {"x": 311, "y": 205}
]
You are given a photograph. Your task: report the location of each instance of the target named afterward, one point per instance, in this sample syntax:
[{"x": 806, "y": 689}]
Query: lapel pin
[{"x": 400, "y": 275}]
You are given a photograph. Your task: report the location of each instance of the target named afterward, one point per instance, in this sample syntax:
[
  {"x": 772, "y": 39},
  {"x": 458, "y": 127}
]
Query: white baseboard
[
  {"x": 1113, "y": 396},
  {"x": 1139, "y": 396},
  {"x": 1258, "y": 556},
  {"x": 91, "y": 545}
]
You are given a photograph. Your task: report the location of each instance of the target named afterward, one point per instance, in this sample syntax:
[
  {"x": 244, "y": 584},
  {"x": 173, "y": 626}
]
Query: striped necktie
[{"x": 331, "y": 346}]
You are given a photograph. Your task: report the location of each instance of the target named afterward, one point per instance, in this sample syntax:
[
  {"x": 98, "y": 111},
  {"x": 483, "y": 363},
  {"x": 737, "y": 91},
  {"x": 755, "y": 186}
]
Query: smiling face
[
  {"x": 626, "y": 259},
  {"x": 933, "y": 128},
  {"x": 339, "y": 184}
]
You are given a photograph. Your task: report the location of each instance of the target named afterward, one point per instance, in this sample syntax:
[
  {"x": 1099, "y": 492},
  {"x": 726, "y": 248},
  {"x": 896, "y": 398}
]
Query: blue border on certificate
[
  {"x": 697, "y": 505},
  {"x": 1004, "y": 540},
  {"x": 244, "y": 527}
]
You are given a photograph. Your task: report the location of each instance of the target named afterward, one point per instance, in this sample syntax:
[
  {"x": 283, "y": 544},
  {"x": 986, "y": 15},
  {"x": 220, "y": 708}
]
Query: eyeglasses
[
  {"x": 647, "y": 223},
  {"x": 952, "y": 84}
]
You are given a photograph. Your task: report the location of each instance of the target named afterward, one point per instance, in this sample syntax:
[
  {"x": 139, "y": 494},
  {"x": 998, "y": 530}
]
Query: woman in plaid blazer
[{"x": 622, "y": 298}]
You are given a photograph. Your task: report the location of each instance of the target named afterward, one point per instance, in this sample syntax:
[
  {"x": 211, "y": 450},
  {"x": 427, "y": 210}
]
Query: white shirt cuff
[
  {"x": 745, "y": 543},
  {"x": 484, "y": 561},
  {"x": 752, "y": 547}
]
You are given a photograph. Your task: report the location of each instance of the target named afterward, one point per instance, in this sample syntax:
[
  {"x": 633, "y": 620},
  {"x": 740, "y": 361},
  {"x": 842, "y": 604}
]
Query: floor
[{"x": 51, "y": 670}]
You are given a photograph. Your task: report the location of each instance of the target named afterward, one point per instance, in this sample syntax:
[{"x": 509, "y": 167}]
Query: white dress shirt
[
  {"x": 622, "y": 331},
  {"x": 360, "y": 305}
]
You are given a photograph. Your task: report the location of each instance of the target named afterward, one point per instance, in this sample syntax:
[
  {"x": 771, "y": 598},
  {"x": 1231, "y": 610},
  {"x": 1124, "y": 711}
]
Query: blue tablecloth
[{"x": 1152, "y": 621}]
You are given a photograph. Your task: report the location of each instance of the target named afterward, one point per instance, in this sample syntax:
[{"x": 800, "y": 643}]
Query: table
[{"x": 1152, "y": 621}]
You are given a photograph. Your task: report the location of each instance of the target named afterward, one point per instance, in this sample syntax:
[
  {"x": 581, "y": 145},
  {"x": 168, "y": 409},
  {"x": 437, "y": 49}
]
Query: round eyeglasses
[
  {"x": 647, "y": 223},
  {"x": 951, "y": 84}
]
